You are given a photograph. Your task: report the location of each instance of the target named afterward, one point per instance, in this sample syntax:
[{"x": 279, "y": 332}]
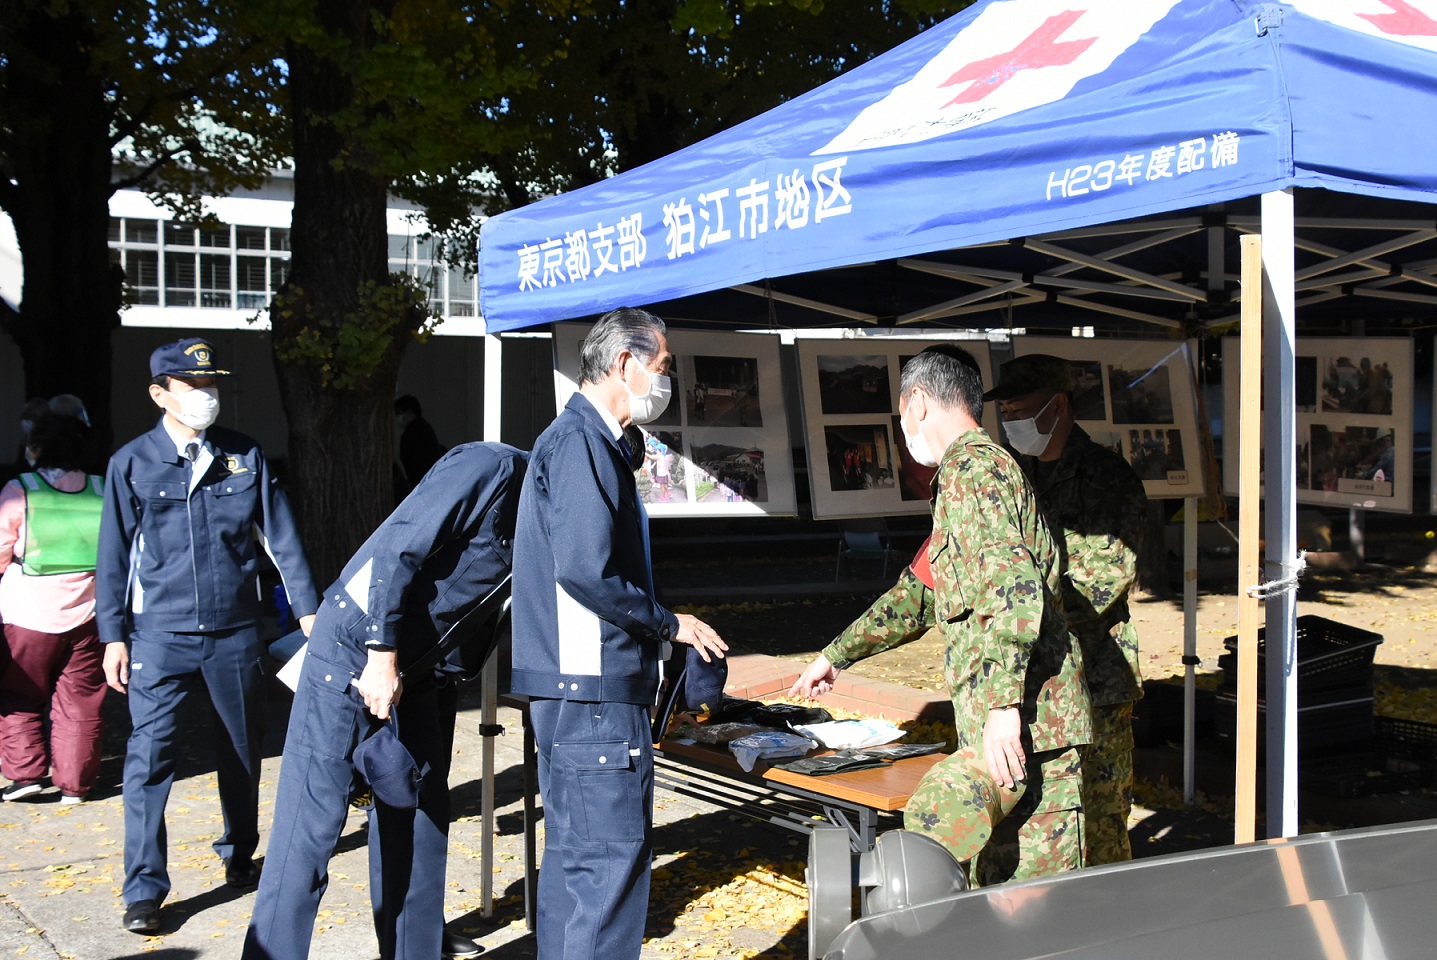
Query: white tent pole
[
  {"x": 1280, "y": 500},
  {"x": 1249, "y": 459},
  {"x": 489, "y": 678}
]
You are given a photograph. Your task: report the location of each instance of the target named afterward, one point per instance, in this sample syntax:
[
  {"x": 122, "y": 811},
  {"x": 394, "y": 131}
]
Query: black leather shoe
[
  {"x": 142, "y": 916},
  {"x": 456, "y": 946},
  {"x": 241, "y": 872}
]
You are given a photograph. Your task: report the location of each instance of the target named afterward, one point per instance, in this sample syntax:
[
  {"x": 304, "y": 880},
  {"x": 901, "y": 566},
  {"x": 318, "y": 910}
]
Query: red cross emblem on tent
[
  {"x": 1405, "y": 20},
  {"x": 1041, "y": 48},
  {"x": 1409, "y": 22},
  {"x": 1014, "y": 55}
]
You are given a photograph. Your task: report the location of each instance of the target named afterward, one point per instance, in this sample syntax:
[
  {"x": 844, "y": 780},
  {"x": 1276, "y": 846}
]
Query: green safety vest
[{"x": 62, "y": 530}]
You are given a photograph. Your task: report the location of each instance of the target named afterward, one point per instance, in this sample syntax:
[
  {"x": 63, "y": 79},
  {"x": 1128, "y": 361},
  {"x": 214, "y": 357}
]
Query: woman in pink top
[{"x": 49, "y": 527}]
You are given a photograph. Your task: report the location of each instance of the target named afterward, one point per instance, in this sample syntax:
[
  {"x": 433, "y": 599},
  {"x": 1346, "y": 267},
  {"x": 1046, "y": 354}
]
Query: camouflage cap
[{"x": 1031, "y": 373}]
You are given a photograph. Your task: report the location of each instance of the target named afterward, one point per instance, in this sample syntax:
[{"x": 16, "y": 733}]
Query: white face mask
[
  {"x": 1023, "y": 435},
  {"x": 918, "y": 447},
  {"x": 648, "y": 406},
  {"x": 198, "y": 407}
]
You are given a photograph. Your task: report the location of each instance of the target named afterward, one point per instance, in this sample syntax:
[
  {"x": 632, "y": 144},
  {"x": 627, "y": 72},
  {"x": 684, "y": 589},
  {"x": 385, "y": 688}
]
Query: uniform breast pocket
[
  {"x": 234, "y": 485},
  {"x": 604, "y": 791},
  {"x": 163, "y": 524},
  {"x": 950, "y": 596},
  {"x": 162, "y": 493}
]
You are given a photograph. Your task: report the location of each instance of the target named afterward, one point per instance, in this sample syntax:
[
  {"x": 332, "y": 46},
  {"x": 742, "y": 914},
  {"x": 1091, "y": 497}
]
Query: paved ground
[
  {"x": 724, "y": 886},
  {"x": 61, "y": 871}
]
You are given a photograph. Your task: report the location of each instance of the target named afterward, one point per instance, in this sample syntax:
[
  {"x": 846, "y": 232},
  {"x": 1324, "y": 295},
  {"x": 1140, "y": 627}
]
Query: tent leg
[
  {"x": 1249, "y": 463},
  {"x": 493, "y": 382},
  {"x": 1280, "y": 500},
  {"x": 1190, "y": 536}
]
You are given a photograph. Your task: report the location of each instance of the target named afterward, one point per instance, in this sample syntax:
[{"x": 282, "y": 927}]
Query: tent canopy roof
[{"x": 1033, "y": 119}]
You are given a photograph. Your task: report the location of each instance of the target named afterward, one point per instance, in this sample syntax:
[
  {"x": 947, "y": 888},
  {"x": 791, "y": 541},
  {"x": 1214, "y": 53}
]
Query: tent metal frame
[{"x": 1090, "y": 282}]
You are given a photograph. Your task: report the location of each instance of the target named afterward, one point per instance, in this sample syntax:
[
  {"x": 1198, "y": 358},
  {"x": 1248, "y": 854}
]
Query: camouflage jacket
[
  {"x": 1094, "y": 500},
  {"x": 996, "y": 577}
]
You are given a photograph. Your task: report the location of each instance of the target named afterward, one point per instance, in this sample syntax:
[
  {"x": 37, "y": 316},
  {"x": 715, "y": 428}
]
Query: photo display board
[
  {"x": 858, "y": 463},
  {"x": 721, "y": 448},
  {"x": 1137, "y": 398},
  {"x": 1354, "y": 420}
]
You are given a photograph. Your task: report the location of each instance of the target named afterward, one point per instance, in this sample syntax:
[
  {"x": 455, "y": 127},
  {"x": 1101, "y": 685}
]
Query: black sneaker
[
  {"x": 241, "y": 872},
  {"x": 142, "y": 916},
  {"x": 19, "y": 791},
  {"x": 457, "y": 946}
]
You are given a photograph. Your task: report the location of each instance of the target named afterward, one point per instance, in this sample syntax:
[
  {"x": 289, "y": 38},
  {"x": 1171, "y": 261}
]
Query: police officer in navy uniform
[
  {"x": 436, "y": 557},
  {"x": 187, "y": 507},
  {"x": 588, "y": 638}
]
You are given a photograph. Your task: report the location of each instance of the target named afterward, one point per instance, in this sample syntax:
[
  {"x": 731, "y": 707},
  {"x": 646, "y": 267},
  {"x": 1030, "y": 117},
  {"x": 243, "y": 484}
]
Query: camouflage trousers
[
  {"x": 1108, "y": 784},
  {"x": 1002, "y": 835}
]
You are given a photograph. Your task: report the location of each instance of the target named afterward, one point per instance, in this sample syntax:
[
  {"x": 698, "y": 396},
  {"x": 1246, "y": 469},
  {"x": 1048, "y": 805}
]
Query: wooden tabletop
[{"x": 883, "y": 788}]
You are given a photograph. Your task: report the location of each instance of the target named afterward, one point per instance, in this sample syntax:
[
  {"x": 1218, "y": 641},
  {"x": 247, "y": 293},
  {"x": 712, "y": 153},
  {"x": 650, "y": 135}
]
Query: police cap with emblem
[{"x": 191, "y": 357}]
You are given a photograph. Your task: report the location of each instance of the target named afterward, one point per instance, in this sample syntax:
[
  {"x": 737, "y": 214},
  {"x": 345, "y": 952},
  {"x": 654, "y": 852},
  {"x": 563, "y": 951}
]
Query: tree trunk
[
  {"x": 338, "y": 399},
  {"x": 72, "y": 292},
  {"x": 340, "y": 464}
]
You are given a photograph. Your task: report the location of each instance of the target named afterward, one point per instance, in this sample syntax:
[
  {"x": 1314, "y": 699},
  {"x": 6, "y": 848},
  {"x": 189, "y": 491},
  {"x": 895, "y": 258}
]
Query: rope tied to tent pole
[{"x": 1287, "y": 584}]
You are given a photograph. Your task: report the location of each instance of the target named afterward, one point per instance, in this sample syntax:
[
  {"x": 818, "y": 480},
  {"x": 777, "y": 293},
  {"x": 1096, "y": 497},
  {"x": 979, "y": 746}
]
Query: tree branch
[
  {"x": 133, "y": 122},
  {"x": 134, "y": 180}
]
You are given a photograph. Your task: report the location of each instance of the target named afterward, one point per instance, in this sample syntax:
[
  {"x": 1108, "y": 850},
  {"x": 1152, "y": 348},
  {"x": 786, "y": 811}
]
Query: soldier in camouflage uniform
[
  {"x": 1008, "y": 799},
  {"x": 1094, "y": 500}
]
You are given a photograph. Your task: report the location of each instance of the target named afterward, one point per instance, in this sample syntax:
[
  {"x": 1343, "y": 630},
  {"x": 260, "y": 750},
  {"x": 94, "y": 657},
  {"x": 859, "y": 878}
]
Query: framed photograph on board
[
  {"x": 858, "y": 463},
  {"x": 1137, "y": 398},
  {"x": 721, "y": 447},
  {"x": 1354, "y": 420}
]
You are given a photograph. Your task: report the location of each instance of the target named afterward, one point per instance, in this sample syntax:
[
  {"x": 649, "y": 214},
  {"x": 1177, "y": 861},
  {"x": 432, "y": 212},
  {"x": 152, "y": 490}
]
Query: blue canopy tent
[{"x": 1007, "y": 140}]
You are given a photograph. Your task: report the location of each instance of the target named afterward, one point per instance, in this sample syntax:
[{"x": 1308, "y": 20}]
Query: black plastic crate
[
  {"x": 1335, "y": 720},
  {"x": 1158, "y": 716},
  {"x": 1406, "y": 738},
  {"x": 1330, "y": 655},
  {"x": 1410, "y": 741},
  {"x": 1362, "y": 776}
]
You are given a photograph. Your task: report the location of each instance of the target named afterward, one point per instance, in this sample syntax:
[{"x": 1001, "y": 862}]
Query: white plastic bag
[
  {"x": 850, "y": 734},
  {"x": 769, "y": 745}
]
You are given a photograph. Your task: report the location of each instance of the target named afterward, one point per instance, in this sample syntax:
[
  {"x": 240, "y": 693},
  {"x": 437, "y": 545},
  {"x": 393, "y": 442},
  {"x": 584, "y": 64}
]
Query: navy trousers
[
  {"x": 165, "y": 668},
  {"x": 407, "y": 847},
  {"x": 596, "y": 776}
]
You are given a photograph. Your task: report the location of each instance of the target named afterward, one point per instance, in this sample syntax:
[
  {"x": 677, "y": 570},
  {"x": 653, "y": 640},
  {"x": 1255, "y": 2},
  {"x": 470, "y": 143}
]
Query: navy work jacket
[
  {"x": 438, "y": 554},
  {"x": 186, "y": 560},
  {"x": 586, "y": 624}
]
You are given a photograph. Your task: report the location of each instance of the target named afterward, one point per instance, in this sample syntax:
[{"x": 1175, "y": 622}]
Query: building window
[
  {"x": 250, "y": 238},
  {"x": 142, "y": 275},
  {"x": 179, "y": 265},
  {"x": 462, "y": 294},
  {"x": 179, "y": 235},
  {"x": 252, "y": 282},
  {"x": 141, "y": 231},
  {"x": 215, "y": 280},
  {"x": 180, "y": 276}
]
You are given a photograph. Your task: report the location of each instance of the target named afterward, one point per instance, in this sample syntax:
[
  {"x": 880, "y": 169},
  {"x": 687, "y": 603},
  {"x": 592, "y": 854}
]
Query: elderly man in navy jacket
[
  {"x": 177, "y": 605},
  {"x": 588, "y": 638},
  {"x": 436, "y": 557}
]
